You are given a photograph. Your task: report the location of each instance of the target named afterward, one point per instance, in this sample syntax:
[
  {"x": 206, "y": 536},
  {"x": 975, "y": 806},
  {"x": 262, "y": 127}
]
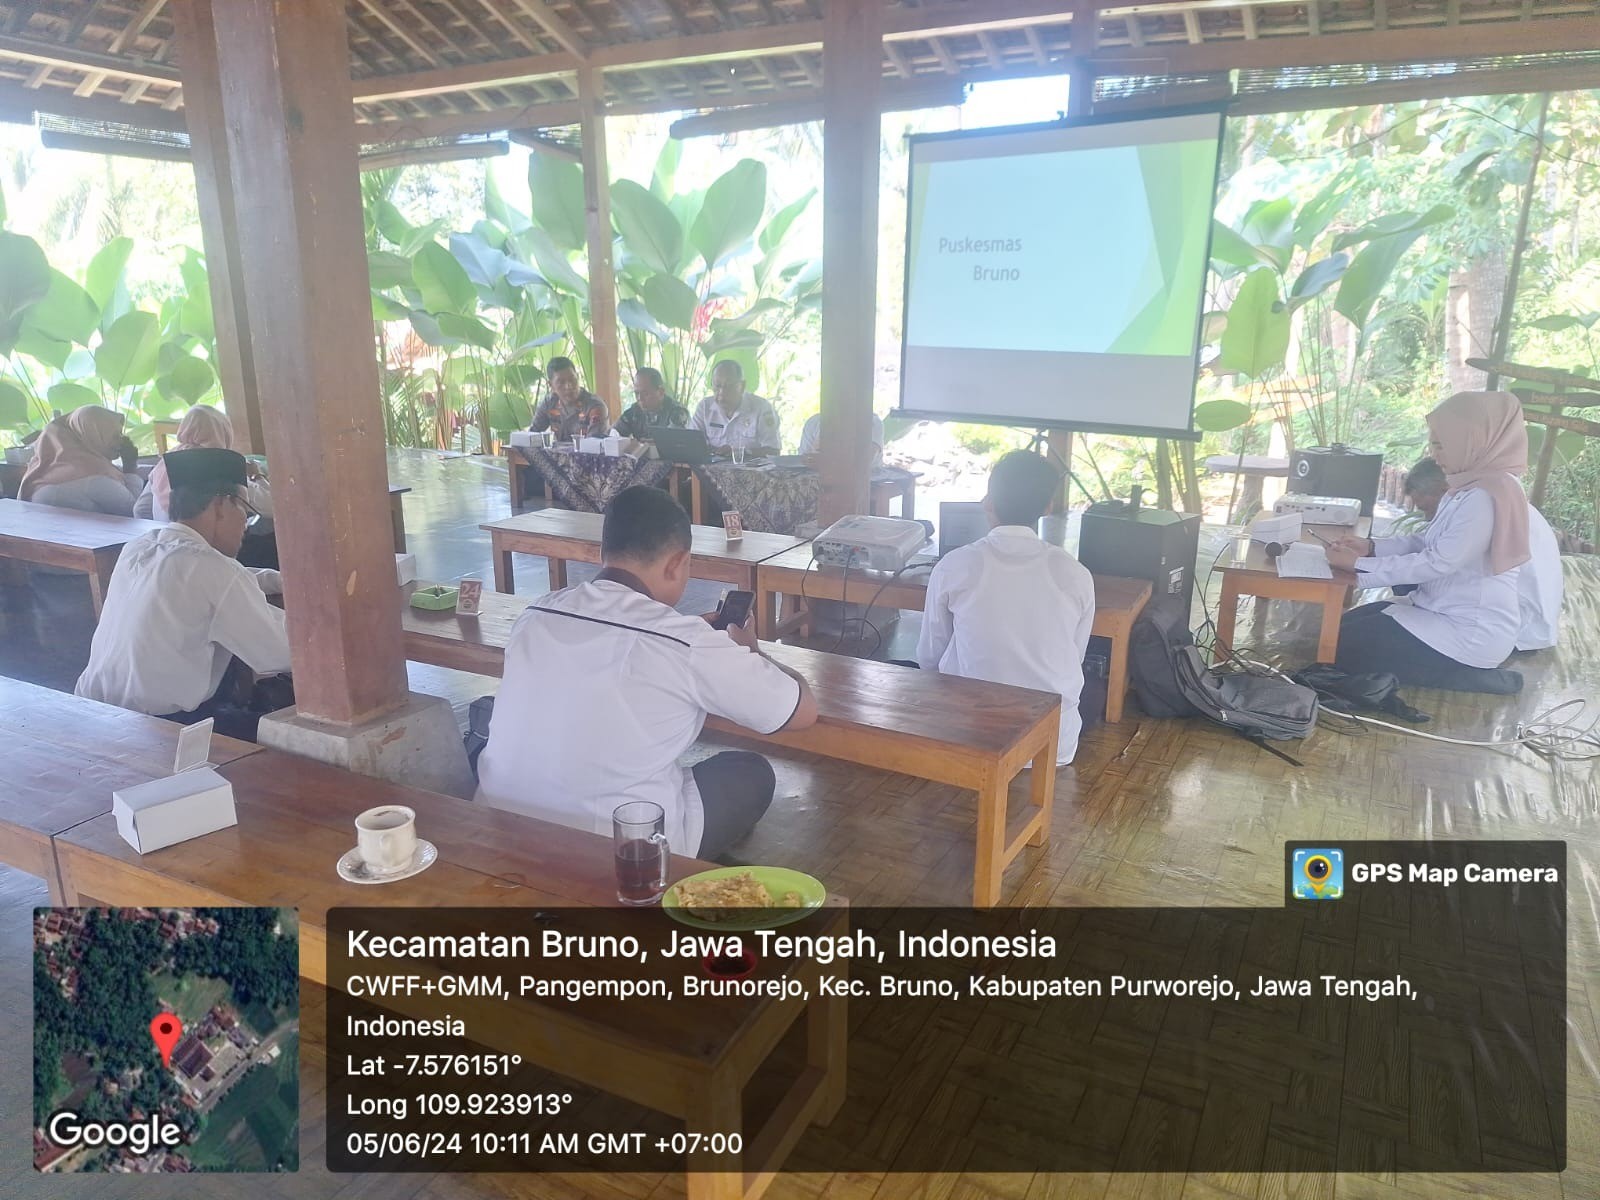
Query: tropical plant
[{"x": 66, "y": 343}]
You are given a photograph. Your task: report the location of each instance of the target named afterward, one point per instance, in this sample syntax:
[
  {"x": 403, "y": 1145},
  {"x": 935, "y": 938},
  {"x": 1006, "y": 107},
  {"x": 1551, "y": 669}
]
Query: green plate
[
  {"x": 434, "y": 599},
  {"x": 777, "y": 881}
]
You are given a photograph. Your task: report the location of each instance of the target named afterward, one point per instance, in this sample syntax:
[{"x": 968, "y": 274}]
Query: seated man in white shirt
[
  {"x": 732, "y": 416},
  {"x": 606, "y": 686},
  {"x": 1539, "y": 581},
  {"x": 1011, "y": 608},
  {"x": 181, "y": 610},
  {"x": 811, "y": 438}
]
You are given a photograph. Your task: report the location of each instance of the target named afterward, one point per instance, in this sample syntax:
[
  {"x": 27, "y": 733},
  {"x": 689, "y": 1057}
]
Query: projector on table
[
  {"x": 1319, "y": 510},
  {"x": 869, "y": 543}
]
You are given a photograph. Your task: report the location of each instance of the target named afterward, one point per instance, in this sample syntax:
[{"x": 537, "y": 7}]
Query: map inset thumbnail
[{"x": 230, "y": 976}]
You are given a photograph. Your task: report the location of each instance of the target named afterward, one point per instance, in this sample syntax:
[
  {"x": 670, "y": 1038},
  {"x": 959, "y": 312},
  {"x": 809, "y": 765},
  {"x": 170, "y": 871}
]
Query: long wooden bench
[
  {"x": 64, "y": 756},
  {"x": 561, "y": 535},
  {"x": 690, "y": 1061},
  {"x": 89, "y": 542},
  {"x": 794, "y": 576},
  {"x": 963, "y": 732}
]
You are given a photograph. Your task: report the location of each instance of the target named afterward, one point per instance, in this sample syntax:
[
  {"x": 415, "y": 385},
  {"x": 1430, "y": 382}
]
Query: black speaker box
[
  {"x": 1336, "y": 470},
  {"x": 1143, "y": 543}
]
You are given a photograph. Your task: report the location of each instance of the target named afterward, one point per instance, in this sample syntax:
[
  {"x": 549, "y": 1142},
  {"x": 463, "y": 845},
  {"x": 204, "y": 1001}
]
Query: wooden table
[
  {"x": 964, "y": 732},
  {"x": 886, "y": 486},
  {"x": 397, "y": 516},
  {"x": 64, "y": 756},
  {"x": 691, "y": 1061},
  {"x": 1117, "y": 604},
  {"x": 67, "y": 537},
  {"x": 1258, "y": 576},
  {"x": 563, "y": 536}
]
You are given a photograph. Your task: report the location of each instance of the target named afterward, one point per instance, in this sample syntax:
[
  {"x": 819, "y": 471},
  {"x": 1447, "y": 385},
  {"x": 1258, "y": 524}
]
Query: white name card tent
[{"x": 194, "y": 800}]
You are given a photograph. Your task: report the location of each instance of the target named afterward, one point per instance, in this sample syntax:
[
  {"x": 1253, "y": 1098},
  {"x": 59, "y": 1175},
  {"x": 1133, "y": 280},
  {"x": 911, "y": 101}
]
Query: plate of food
[{"x": 741, "y": 899}]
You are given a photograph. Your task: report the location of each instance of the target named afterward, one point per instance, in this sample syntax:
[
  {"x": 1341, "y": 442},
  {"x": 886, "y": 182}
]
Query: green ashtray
[{"x": 434, "y": 599}]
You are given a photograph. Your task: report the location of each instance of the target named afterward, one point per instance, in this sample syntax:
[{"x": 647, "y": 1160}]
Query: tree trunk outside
[{"x": 1472, "y": 308}]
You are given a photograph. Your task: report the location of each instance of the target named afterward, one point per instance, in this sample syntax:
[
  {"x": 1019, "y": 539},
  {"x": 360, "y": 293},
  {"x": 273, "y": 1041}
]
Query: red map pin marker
[{"x": 165, "y": 1030}]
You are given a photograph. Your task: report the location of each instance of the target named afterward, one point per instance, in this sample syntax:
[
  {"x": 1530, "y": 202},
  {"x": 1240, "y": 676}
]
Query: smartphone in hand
[{"x": 734, "y": 609}]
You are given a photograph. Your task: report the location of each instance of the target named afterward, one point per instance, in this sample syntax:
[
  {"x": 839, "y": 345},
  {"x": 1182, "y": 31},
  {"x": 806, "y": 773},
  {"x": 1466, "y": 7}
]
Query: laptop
[
  {"x": 688, "y": 446},
  {"x": 960, "y": 522}
]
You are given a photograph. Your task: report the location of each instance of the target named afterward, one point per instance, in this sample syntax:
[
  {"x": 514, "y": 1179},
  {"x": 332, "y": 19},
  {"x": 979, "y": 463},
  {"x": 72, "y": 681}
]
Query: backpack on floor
[
  {"x": 1159, "y": 636},
  {"x": 1257, "y": 706}
]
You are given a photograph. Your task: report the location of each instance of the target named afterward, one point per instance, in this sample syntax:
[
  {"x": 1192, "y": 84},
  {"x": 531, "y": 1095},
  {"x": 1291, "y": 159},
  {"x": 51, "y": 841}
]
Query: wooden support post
[
  {"x": 607, "y": 381},
  {"x": 283, "y": 94},
  {"x": 852, "y": 68},
  {"x": 219, "y": 226}
]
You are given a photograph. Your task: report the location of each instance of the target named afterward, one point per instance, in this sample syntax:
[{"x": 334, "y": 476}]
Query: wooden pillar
[
  {"x": 284, "y": 96},
  {"x": 607, "y": 381},
  {"x": 852, "y": 70},
  {"x": 1080, "y": 67},
  {"x": 219, "y": 227}
]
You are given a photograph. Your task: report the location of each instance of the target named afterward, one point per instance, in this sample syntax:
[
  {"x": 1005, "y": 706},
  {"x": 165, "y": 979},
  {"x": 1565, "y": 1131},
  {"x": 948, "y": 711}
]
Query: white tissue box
[
  {"x": 612, "y": 446},
  {"x": 405, "y": 567},
  {"x": 175, "y": 809},
  {"x": 194, "y": 800},
  {"x": 591, "y": 445},
  {"x": 524, "y": 438}
]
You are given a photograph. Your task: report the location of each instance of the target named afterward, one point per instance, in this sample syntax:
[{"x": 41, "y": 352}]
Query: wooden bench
[
  {"x": 795, "y": 575},
  {"x": 963, "y": 732},
  {"x": 64, "y": 756},
  {"x": 89, "y": 542},
  {"x": 561, "y": 536},
  {"x": 691, "y": 1061}
]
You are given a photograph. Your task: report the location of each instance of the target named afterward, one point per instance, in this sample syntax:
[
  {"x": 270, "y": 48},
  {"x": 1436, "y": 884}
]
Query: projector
[
  {"x": 869, "y": 543},
  {"x": 1319, "y": 510}
]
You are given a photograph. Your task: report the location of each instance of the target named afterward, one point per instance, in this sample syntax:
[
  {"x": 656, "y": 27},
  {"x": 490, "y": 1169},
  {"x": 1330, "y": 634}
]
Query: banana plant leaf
[
  {"x": 649, "y": 230},
  {"x": 556, "y": 186},
  {"x": 106, "y": 269},
  {"x": 731, "y": 212},
  {"x": 128, "y": 352}
]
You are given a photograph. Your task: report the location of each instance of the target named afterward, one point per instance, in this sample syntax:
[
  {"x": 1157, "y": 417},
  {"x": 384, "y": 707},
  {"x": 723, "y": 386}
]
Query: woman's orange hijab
[
  {"x": 202, "y": 427},
  {"x": 77, "y": 446},
  {"x": 1482, "y": 441}
]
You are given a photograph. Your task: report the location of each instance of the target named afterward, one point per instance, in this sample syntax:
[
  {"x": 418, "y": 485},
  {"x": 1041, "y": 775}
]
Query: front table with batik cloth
[
  {"x": 772, "y": 499},
  {"x": 588, "y": 482}
]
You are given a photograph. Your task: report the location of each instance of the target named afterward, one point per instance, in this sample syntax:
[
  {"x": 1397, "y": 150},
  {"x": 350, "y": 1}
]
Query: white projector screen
[{"x": 1055, "y": 275}]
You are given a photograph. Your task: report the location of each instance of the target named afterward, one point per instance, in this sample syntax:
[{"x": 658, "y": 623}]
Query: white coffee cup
[{"x": 387, "y": 838}]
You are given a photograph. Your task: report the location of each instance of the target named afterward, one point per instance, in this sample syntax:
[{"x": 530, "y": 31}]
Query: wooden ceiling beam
[
  {"x": 1416, "y": 44},
  {"x": 137, "y": 26},
  {"x": 545, "y": 17},
  {"x": 929, "y": 93},
  {"x": 19, "y": 104},
  {"x": 72, "y": 59},
  {"x": 452, "y": 79}
]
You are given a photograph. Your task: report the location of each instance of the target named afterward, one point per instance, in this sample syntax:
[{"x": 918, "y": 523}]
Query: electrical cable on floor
[{"x": 1565, "y": 740}]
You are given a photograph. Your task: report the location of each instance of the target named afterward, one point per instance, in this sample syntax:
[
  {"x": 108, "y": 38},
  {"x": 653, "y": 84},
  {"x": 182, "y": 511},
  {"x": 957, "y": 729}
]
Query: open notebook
[{"x": 1304, "y": 560}]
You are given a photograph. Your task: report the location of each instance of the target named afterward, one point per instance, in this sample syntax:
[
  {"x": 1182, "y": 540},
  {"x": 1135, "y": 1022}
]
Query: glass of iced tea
[{"x": 639, "y": 844}]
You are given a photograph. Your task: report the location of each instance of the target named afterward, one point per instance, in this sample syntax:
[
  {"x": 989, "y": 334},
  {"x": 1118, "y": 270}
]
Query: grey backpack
[{"x": 1257, "y": 706}]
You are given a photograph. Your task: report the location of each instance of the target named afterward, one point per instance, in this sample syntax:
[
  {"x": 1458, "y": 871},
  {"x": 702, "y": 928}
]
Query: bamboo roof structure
[{"x": 425, "y": 69}]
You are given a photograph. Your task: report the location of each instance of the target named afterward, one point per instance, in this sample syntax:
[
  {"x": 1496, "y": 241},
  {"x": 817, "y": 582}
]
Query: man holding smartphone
[{"x": 629, "y": 664}]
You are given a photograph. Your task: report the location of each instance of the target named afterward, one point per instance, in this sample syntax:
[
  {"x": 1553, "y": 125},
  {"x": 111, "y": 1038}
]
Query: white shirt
[
  {"x": 1539, "y": 586},
  {"x": 1459, "y": 609},
  {"x": 604, "y": 689},
  {"x": 176, "y": 614},
  {"x": 755, "y": 424},
  {"x": 1012, "y": 609},
  {"x": 811, "y": 437}
]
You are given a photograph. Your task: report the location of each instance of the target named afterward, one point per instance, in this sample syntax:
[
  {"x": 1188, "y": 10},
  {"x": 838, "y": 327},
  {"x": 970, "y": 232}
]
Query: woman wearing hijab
[
  {"x": 207, "y": 428},
  {"x": 1464, "y": 615},
  {"x": 75, "y": 464}
]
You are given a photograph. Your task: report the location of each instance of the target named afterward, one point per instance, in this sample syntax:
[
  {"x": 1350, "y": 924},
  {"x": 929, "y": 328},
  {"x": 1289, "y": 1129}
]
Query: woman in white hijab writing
[{"x": 1465, "y": 613}]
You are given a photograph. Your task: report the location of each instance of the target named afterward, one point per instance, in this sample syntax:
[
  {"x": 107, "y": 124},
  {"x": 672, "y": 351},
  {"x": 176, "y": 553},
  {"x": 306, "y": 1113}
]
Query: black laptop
[{"x": 688, "y": 446}]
